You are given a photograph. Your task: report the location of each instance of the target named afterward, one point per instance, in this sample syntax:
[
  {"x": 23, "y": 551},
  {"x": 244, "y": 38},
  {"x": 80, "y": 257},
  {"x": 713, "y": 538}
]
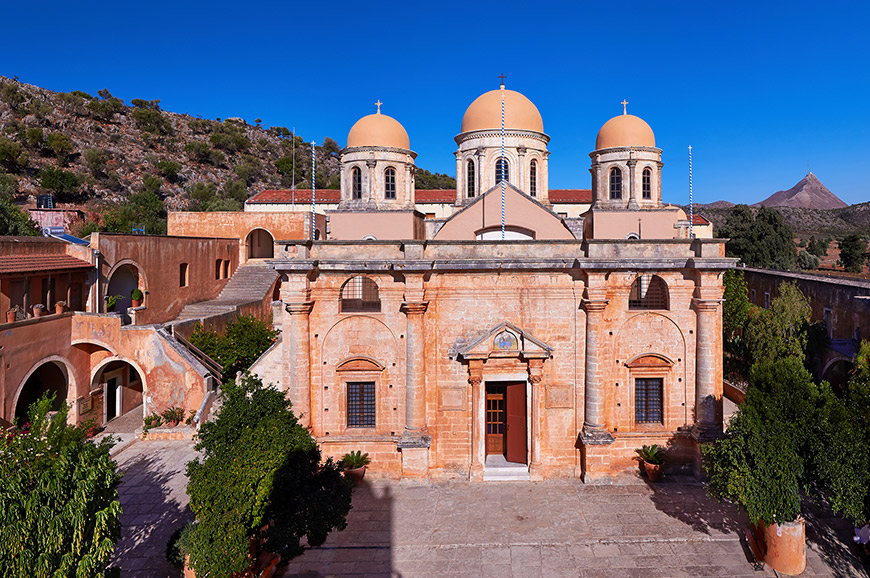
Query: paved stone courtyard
[{"x": 547, "y": 529}]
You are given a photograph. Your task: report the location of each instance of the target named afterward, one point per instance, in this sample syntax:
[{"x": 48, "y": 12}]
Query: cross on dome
[
  {"x": 501, "y": 77},
  {"x": 624, "y": 103},
  {"x": 378, "y": 104}
]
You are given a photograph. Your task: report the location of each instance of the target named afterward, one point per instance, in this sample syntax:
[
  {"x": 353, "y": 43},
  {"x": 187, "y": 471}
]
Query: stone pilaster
[
  {"x": 536, "y": 374},
  {"x": 478, "y": 418},
  {"x": 370, "y": 165},
  {"x": 298, "y": 346},
  {"x": 632, "y": 185},
  {"x": 461, "y": 192},
  {"x": 415, "y": 369},
  {"x": 594, "y": 438},
  {"x": 521, "y": 169},
  {"x": 708, "y": 372}
]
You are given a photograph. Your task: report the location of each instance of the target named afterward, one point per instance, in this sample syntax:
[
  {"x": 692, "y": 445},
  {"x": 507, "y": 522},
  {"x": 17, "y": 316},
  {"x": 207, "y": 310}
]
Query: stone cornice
[
  {"x": 496, "y": 133},
  {"x": 300, "y": 308},
  {"x": 349, "y": 150},
  {"x": 414, "y": 308}
]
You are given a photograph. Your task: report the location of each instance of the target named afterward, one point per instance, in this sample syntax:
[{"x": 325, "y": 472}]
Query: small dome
[
  {"x": 625, "y": 130},
  {"x": 378, "y": 130},
  {"x": 519, "y": 112}
]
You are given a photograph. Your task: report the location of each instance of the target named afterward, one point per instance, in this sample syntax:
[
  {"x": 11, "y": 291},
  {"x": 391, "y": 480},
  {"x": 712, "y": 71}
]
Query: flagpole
[
  {"x": 691, "y": 204},
  {"x": 313, "y": 191}
]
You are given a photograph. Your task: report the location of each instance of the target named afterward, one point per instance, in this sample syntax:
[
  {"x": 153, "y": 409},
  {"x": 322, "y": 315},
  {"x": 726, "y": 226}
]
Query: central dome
[
  {"x": 519, "y": 113},
  {"x": 625, "y": 130},
  {"x": 378, "y": 130}
]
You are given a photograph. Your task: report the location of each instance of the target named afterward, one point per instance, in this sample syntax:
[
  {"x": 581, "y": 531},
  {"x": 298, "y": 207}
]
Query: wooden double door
[{"x": 506, "y": 420}]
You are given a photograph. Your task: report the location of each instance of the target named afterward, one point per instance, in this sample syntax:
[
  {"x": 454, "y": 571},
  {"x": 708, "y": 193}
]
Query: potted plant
[
  {"x": 12, "y": 314},
  {"x": 38, "y": 310},
  {"x": 59, "y": 307},
  {"x": 111, "y": 301},
  {"x": 653, "y": 459},
  {"x": 354, "y": 466},
  {"x": 151, "y": 421},
  {"x": 173, "y": 416},
  {"x": 136, "y": 296}
]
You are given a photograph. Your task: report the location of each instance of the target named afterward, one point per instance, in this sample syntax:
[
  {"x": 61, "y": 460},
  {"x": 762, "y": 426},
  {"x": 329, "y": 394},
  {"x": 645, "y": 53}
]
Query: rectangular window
[
  {"x": 218, "y": 268},
  {"x": 226, "y": 268},
  {"x": 752, "y": 296},
  {"x": 361, "y": 404},
  {"x": 766, "y": 300},
  {"x": 648, "y": 400},
  {"x": 183, "y": 278}
]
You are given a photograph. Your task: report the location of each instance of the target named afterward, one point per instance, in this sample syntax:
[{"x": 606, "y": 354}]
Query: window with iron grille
[
  {"x": 648, "y": 292},
  {"x": 469, "y": 183},
  {"x": 390, "y": 183},
  {"x": 356, "y": 183},
  {"x": 647, "y": 184},
  {"x": 360, "y": 294},
  {"x": 361, "y": 404},
  {"x": 648, "y": 400},
  {"x": 533, "y": 179},
  {"x": 615, "y": 183},
  {"x": 502, "y": 171}
]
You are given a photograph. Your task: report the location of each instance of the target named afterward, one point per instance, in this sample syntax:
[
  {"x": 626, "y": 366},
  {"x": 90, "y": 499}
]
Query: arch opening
[
  {"x": 260, "y": 244},
  {"x": 360, "y": 295},
  {"x": 648, "y": 292},
  {"x": 122, "y": 282},
  {"x": 50, "y": 377},
  {"x": 121, "y": 389}
]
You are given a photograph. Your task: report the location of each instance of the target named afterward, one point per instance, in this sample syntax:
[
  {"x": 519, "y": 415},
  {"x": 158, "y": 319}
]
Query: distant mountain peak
[{"x": 808, "y": 193}]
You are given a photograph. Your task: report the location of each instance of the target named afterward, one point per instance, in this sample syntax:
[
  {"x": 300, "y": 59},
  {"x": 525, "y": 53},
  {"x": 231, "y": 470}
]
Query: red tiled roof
[
  {"x": 40, "y": 262},
  {"x": 435, "y": 196},
  {"x": 298, "y": 196},
  {"x": 699, "y": 220},
  {"x": 568, "y": 196}
]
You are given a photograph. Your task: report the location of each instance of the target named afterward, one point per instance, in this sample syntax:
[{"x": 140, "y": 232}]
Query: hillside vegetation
[
  {"x": 98, "y": 152},
  {"x": 854, "y": 219}
]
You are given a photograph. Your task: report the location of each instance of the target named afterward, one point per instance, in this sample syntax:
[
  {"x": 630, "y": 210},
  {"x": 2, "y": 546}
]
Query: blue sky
[{"x": 761, "y": 90}]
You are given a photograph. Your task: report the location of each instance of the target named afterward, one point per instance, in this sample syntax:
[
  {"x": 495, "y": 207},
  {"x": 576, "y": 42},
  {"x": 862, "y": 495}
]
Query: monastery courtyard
[{"x": 547, "y": 529}]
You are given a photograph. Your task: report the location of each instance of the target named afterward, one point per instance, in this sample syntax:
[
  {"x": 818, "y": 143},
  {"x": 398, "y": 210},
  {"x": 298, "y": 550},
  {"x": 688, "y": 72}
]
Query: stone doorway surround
[{"x": 505, "y": 353}]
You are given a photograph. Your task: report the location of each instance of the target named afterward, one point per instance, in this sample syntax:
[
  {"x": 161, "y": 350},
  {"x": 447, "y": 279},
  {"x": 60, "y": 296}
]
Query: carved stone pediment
[{"x": 503, "y": 340}]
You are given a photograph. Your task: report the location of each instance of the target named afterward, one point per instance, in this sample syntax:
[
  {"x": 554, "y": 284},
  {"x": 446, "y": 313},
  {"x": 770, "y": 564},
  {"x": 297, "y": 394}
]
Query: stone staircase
[
  {"x": 497, "y": 469},
  {"x": 250, "y": 283}
]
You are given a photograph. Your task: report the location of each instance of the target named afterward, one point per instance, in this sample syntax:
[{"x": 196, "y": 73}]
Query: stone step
[{"x": 506, "y": 474}]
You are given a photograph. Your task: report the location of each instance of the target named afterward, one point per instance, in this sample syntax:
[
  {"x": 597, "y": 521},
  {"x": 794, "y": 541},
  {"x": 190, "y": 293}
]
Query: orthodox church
[{"x": 500, "y": 339}]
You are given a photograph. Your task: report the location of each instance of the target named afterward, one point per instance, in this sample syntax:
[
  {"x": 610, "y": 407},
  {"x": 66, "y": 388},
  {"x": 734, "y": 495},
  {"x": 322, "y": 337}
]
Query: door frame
[
  {"x": 480, "y": 410},
  {"x": 119, "y": 389}
]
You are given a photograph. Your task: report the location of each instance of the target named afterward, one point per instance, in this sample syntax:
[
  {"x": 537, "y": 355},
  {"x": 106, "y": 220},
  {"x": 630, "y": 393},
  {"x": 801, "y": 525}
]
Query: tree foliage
[
  {"x": 14, "y": 221},
  {"x": 246, "y": 338},
  {"x": 148, "y": 117},
  {"x": 12, "y": 155},
  {"x": 59, "y": 181},
  {"x": 61, "y": 145},
  {"x": 852, "y": 248},
  {"x": 107, "y": 106},
  {"x": 781, "y": 331},
  {"x": 807, "y": 260},
  {"x": 260, "y": 478},
  {"x": 95, "y": 160},
  {"x": 143, "y": 209},
  {"x": 760, "y": 240},
  {"x": 59, "y": 508},
  {"x": 423, "y": 179},
  {"x": 818, "y": 247}
]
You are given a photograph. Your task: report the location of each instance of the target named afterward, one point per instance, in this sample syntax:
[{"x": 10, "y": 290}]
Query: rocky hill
[
  {"x": 809, "y": 193},
  {"x": 806, "y": 222},
  {"x": 94, "y": 151}
]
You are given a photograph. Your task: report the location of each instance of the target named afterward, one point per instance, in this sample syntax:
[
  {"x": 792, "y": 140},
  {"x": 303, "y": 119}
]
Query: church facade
[{"x": 503, "y": 341}]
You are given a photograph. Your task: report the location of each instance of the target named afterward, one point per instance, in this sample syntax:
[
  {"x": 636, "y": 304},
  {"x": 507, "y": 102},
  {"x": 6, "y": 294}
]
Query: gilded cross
[
  {"x": 378, "y": 104},
  {"x": 624, "y": 103}
]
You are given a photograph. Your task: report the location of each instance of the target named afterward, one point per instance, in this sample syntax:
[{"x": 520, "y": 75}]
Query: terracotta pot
[
  {"x": 10, "y": 316},
  {"x": 58, "y": 309},
  {"x": 136, "y": 303},
  {"x": 355, "y": 474},
  {"x": 653, "y": 471},
  {"x": 786, "y": 546},
  {"x": 38, "y": 311}
]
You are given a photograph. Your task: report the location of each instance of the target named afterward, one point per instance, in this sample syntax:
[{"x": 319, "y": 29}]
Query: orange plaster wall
[
  {"x": 382, "y": 225},
  {"x": 657, "y": 224},
  {"x": 158, "y": 260},
  {"x": 520, "y": 211}
]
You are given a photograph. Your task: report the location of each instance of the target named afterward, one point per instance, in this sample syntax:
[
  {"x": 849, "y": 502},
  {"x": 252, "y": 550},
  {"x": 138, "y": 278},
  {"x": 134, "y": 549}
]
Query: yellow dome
[
  {"x": 378, "y": 130},
  {"x": 625, "y": 130},
  {"x": 519, "y": 112}
]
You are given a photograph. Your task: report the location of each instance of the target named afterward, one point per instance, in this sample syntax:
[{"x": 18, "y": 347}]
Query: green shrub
[
  {"x": 169, "y": 169},
  {"x": 59, "y": 181},
  {"x": 61, "y": 145},
  {"x": 652, "y": 454},
  {"x": 12, "y": 155},
  {"x": 59, "y": 508},
  {"x": 95, "y": 160},
  {"x": 353, "y": 460},
  {"x": 260, "y": 479},
  {"x": 245, "y": 340},
  {"x": 14, "y": 221}
]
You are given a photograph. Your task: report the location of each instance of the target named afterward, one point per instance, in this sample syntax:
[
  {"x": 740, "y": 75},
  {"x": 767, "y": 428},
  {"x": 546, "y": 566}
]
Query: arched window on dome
[
  {"x": 502, "y": 171},
  {"x": 615, "y": 183},
  {"x": 360, "y": 295},
  {"x": 469, "y": 179},
  {"x": 533, "y": 178},
  {"x": 356, "y": 183},
  {"x": 390, "y": 183},
  {"x": 647, "y": 183},
  {"x": 648, "y": 292}
]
